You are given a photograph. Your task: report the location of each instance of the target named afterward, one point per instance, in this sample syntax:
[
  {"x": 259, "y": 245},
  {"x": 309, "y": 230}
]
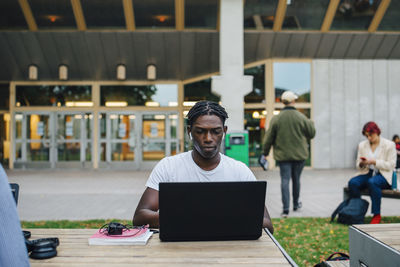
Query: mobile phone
[{"x": 363, "y": 158}]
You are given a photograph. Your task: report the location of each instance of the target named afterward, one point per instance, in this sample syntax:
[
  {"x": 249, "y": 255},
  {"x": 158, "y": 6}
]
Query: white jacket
[{"x": 385, "y": 160}]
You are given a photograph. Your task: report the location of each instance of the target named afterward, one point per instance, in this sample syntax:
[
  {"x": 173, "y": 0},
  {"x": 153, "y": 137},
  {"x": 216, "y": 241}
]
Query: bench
[
  {"x": 387, "y": 193},
  {"x": 345, "y": 263},
  {"x": 374, "y": 244}
]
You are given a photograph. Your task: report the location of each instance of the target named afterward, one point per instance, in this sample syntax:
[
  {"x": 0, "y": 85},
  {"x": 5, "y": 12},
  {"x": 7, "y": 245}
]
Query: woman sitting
[
  {"x": 376, "y": 159},
  {"x": 396, "y": 140}
]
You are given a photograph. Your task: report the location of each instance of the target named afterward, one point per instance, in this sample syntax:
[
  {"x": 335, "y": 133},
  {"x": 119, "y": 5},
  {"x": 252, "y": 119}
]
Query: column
[{"x": 232, "y": 85}]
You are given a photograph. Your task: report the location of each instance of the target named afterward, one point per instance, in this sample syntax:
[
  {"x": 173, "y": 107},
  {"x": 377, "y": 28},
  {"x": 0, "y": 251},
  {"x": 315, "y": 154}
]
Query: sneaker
[
  {"x": 284, "y": 214},
  {"x": 299, "y": 205},
  {"x": 376, "y": 219}
]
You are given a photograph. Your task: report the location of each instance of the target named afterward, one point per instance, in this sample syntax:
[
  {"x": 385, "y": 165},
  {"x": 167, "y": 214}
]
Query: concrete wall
[{"x": 346, "y": 95}]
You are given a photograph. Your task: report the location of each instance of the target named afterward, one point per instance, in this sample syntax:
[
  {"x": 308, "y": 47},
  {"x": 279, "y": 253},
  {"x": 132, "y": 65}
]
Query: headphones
[{"x": 42, "y": 248}]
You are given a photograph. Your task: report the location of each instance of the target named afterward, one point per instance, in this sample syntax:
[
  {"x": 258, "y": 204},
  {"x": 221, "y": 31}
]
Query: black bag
[
  {"x": 337, "y": 256},
  {"x": 351, "y": 211}
]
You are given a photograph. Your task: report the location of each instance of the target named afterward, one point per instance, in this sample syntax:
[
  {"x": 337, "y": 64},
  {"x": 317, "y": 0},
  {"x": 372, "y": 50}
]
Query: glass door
[
  {"x": 137, "y": 140},
  {"x": 158, "y": 137},
  {"x": 118, "y": 140},
  {"x": 52, "y": 139},
  {"x": 34, "y": 140},
  {"x": 74, "y": 139}
]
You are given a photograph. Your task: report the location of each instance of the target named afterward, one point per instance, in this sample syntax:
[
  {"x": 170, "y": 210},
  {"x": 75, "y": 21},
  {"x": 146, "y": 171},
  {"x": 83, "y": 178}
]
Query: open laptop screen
[{"x": 211, "y": 210}]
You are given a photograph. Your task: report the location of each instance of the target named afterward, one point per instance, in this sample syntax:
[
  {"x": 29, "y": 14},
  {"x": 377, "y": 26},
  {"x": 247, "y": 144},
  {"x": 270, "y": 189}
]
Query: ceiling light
[
  {"x": 33, "y": 72},
  {"x": 116, "y": 104},
  {"x": 162, "y": 18},
  {"x": 151, "y": 72},
  {"x": 189, "y": 103},
  {"x": 159, "y": 117},
  {"x": 63, "y": 72},
  {"x": 78, "y": 104},
  {"x": 152, "y": 104},
  {"x": 121, "y": 72}
]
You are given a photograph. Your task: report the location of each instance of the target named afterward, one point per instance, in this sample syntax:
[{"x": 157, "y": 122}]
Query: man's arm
[
  {"x": 267, "y": 221},
  {"x": 147, "y": 209},
  {"x": 310, "y": 129},
  {"x": 269, "y": 137}
]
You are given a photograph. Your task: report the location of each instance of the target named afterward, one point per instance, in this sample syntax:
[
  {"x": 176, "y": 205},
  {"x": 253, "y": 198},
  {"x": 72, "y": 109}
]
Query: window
[
  {"x": 159, "y": 95},
  {"x": 103, "y": 14},
  {"x": 201, "y": 14},
  {"x": 354, "y": 14},
  {"x": 197, "y": 91},
  {"x": 305, "y": 14},
  {"x": 257, "y": 95},
  {"x": 259, "y": 13},
  {"x": 254, "y": 123},
  {"x": 154, "y": 13},
  {"x": 54, "y": 95},
  {"x": 53, "y": 14},
  {"x": 390, "y": 21},
  {"x": 11, "y": 16},
  {"x": 295, "y": 77},
  {"x": 4, "y": 96}
]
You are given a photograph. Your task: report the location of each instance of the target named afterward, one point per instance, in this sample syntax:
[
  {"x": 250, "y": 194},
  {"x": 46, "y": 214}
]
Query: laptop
[{"x": 211, "y": 211}]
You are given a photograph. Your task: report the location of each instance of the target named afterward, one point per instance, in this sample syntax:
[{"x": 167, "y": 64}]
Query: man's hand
[{"x": 267, "y": 223}]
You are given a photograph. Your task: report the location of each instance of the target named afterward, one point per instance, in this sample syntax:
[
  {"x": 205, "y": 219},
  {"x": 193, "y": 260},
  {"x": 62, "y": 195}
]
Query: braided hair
[{"x": 206, "y": 108}]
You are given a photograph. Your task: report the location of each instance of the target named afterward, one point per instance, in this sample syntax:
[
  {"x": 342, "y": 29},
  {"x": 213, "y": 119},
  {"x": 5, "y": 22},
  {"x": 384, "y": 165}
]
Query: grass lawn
[{"x": 307, "y": 240}]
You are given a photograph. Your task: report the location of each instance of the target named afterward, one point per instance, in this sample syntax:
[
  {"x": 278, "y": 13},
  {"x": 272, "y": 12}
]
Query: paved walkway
[{"x": 106, "y": 194}]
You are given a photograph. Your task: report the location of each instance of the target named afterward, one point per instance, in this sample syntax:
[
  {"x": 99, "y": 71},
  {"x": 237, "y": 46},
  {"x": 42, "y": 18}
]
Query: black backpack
[{"x": 351, "y": 211}]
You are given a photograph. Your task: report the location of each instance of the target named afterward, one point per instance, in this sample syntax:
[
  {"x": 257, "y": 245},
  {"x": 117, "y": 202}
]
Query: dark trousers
[
  {"x": 290, "y": 169},
  {"x": 374, "y": 183}
]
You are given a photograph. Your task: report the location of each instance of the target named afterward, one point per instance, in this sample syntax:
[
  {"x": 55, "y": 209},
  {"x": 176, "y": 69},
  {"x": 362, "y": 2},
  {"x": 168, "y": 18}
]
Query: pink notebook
[{"x": 128, "y": 237}]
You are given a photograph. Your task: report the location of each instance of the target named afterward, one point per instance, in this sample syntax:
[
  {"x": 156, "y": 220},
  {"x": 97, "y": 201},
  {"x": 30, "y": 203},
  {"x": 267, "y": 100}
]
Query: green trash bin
[{"x": 237, "y": 146}]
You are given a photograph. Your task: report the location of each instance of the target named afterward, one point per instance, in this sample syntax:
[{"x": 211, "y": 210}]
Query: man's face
[{"x": 207, "y": 132}]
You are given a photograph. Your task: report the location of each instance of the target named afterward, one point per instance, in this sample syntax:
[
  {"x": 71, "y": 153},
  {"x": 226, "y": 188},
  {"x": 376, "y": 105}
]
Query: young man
[
  {"x": 289, "y": 133},
  {"x": 206, "y": 128}
]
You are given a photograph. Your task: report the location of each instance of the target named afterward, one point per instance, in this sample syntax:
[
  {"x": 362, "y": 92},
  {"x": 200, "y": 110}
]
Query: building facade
[{"x": 90, "y": 85}]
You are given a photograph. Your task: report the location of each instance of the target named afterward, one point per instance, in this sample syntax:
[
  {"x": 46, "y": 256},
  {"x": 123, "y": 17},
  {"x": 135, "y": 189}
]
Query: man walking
[{"x": 289, "y": 133}]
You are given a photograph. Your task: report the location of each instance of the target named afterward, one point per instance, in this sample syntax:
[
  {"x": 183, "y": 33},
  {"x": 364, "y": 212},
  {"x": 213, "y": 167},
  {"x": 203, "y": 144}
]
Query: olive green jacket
[{"x": 289, "y": 133}]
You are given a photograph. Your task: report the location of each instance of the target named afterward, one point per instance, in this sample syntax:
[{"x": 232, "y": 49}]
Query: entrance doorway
[
  {"x": 53, "y": 139},
  {"x": 137, "y": 140},
  {"x": 127, "y": 140}
]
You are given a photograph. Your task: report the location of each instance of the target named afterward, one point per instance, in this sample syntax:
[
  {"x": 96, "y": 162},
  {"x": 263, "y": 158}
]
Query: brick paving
[{"x": 106, "y": 194}]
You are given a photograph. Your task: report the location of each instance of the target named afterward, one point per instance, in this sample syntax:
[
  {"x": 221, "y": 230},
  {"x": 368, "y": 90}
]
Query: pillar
[{"x": 232, "y": 85}]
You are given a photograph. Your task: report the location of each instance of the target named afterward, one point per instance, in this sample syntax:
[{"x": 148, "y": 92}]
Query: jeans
[
  {"x": 374, "y": 183},
  {"x": 290, "y": 169}
]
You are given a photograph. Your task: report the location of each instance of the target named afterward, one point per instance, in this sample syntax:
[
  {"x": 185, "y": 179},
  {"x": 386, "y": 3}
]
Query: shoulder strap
[
  {"x": 340, "y": 255},
  {"x": 341, "y": 205}
]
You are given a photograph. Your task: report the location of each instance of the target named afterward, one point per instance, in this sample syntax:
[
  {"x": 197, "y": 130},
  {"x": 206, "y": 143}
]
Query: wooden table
[
  {"x": 75, "y": 251},
  {"x": 375, "y": 244}
]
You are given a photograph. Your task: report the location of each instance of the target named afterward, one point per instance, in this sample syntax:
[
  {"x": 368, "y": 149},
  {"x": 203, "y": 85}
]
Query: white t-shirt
[{"x": 182, "y": 168}]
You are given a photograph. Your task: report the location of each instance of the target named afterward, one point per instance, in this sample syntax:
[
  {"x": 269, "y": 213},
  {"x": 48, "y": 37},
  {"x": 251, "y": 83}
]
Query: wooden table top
[
  {"x": 388, "y": 234},
  {"x": 75, "y": 251}
]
